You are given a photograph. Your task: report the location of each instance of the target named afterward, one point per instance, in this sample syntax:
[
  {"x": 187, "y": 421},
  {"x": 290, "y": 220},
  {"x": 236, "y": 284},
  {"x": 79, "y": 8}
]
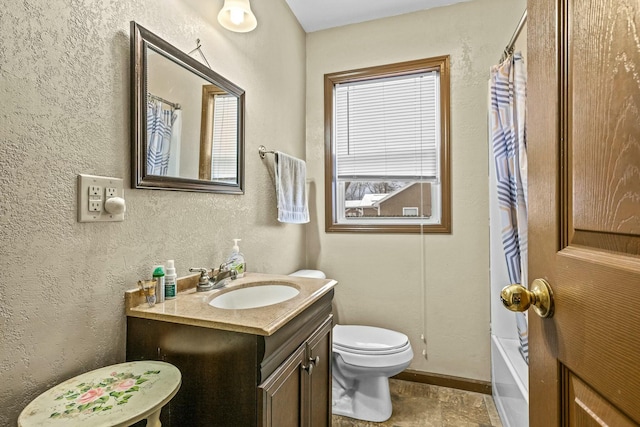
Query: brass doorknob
[{"x": 518, "y": 298}]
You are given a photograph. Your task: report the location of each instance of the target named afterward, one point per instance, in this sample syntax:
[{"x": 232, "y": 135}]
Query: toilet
[{"x": 364, "y": 357}]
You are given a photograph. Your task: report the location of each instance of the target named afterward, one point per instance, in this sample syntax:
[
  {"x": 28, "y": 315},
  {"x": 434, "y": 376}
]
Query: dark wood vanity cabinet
[{"x": 239, "y": 379}]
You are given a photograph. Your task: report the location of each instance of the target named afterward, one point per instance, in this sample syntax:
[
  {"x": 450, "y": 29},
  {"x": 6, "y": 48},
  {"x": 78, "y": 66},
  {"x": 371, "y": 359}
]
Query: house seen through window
[{"x": 387, "y": 148}]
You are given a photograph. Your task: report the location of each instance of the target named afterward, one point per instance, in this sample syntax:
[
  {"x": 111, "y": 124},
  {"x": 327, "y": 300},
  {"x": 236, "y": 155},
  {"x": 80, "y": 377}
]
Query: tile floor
[{"x": 424, "y": 405}]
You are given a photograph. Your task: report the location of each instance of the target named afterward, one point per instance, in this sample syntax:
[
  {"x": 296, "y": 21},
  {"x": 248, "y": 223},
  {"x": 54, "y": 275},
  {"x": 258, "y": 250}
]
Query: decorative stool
[{"x": 113, "y": 396}]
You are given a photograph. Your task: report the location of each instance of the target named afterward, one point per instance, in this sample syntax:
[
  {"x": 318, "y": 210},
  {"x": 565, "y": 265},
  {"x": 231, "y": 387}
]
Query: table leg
[{"x": 154, "y": 419}]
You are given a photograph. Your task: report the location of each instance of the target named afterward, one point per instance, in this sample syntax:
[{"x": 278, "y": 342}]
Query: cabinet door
[
  {"x": 319, "y": 348},
  {"x": 280, "y": 397}
]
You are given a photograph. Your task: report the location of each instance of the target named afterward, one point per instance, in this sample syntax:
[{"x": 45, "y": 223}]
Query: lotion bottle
[{"x": 170, "y": 285}]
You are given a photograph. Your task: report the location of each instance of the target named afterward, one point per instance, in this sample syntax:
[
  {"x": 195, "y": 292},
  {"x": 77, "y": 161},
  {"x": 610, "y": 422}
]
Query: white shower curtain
[
  {"x": 508, "y": 139},
  {"x": 159, "y": 123}
]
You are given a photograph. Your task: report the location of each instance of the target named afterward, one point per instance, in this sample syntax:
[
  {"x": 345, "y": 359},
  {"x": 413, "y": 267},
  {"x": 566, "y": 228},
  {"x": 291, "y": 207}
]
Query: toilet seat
[
  {"x": 368, "y": 339},
  {"x": 340, "y": 348}
]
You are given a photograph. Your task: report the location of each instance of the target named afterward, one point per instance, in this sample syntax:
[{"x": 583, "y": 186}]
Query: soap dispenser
[{"x": 236, "y": 260}]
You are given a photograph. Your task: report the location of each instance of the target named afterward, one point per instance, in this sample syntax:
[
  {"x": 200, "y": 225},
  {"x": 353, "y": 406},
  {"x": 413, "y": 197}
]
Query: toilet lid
[{"x": 368, "y": 338}]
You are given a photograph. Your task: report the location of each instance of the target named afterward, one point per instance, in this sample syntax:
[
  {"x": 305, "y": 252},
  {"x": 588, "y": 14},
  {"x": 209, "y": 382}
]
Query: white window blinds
[
  {"x": 224, "y": 153},
  {"x": 388, "y": 128}
]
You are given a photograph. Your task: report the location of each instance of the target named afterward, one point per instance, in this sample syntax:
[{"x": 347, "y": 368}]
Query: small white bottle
[
  {"x": 236, "y": 260},
  {"x": 158, "y": 276},
  {"x": 170, "y": 284}
]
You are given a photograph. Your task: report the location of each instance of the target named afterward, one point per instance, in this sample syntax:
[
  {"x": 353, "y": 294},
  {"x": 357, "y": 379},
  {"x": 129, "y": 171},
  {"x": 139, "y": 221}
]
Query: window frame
[{"x": 439, "y": 64}]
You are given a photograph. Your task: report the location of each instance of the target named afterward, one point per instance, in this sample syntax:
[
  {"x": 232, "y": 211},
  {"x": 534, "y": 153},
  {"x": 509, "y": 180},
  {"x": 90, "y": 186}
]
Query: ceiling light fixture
[{"x": 236, "y": 15}]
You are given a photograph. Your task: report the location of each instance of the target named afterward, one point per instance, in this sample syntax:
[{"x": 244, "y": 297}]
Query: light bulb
[{"x": 237, "y": 15}]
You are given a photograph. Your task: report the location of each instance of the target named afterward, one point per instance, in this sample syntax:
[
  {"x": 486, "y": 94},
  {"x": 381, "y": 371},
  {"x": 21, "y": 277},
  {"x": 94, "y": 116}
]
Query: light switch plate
[{"x": 92, "y": 189}]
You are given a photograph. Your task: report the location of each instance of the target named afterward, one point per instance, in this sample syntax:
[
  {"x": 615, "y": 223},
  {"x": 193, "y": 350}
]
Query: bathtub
[{"x": 510, "y": 382}]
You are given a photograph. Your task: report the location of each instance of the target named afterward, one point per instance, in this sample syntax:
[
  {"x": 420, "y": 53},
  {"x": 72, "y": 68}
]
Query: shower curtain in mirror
[
  {"x": 508, "y": 139},
  {"x": 159, "y": 125}
]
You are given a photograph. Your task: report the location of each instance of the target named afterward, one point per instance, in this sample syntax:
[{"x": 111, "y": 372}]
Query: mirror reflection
[{"x": 187, "y": 120}]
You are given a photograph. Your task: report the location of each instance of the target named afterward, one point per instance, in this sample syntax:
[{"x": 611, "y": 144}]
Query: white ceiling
[{"x": 315, "y": 15}]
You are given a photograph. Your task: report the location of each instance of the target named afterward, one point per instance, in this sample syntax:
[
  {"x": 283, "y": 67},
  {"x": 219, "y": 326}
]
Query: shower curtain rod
[
  {"x": 169, "y": 103},
  {"x": 508, "y": 51}
]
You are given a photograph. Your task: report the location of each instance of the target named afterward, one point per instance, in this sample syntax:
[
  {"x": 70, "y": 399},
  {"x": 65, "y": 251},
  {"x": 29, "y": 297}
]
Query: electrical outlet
[
  {"x": 93, "y": 192},
  {"x": 110, "y": 192},
  {"x": 95, "y": 205}
]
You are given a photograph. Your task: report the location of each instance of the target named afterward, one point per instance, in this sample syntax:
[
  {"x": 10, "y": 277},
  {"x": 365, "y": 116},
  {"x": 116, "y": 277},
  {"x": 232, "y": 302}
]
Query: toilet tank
[{"x": 314, "y": 274}]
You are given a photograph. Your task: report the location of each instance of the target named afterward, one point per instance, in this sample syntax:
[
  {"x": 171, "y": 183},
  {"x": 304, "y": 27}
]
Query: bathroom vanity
[{"x": 263, "y": 366}]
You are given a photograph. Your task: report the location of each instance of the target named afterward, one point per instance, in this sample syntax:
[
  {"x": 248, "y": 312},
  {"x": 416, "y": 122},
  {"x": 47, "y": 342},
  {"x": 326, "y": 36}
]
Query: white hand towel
[{"x": 291, "y": 177}]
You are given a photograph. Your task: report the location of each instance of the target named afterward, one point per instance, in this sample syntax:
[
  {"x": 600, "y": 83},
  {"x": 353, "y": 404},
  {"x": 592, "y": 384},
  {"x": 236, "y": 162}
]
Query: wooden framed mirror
[{"x": 187, "y": 121}]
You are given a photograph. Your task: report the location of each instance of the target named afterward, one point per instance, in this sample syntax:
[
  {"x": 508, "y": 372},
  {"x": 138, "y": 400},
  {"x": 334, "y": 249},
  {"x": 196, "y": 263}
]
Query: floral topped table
[{"x": 117, "y": 395}]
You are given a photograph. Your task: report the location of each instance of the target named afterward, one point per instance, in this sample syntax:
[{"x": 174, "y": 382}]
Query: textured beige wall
[
  {"x": 64, "y": 110},
  {"x": 380, "y": 275}
]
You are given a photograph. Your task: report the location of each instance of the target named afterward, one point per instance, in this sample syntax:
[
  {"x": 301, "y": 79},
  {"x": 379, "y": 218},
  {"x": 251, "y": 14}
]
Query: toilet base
[{"x": 370, "y": 400}]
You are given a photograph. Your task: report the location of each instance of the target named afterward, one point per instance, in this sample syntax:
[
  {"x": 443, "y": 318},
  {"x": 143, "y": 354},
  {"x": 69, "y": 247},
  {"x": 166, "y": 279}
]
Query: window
[
  {"x": 224, "y": 152},
  {"x": 387, "y": 148},
  {"x": 218, "y": 143}
]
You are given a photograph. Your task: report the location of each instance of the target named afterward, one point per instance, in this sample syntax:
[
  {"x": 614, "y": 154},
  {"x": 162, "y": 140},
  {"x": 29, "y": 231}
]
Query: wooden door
[{"x": 584, "y": 210}]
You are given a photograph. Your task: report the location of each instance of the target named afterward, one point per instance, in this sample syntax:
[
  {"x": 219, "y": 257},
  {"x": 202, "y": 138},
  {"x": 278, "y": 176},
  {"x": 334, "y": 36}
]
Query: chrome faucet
[
  {"x": 204, "y": 282},
  {"x": 223, "y": 274},
  {"x": 207, "y": 283}
]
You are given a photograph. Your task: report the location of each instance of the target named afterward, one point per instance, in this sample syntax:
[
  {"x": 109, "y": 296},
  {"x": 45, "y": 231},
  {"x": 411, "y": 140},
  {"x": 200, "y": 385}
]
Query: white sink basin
[{"x": 254, "y": 296}]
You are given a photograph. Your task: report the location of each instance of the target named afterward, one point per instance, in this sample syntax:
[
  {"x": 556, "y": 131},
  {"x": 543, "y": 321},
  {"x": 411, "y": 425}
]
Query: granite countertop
[{"x": 192, "y": 308}]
